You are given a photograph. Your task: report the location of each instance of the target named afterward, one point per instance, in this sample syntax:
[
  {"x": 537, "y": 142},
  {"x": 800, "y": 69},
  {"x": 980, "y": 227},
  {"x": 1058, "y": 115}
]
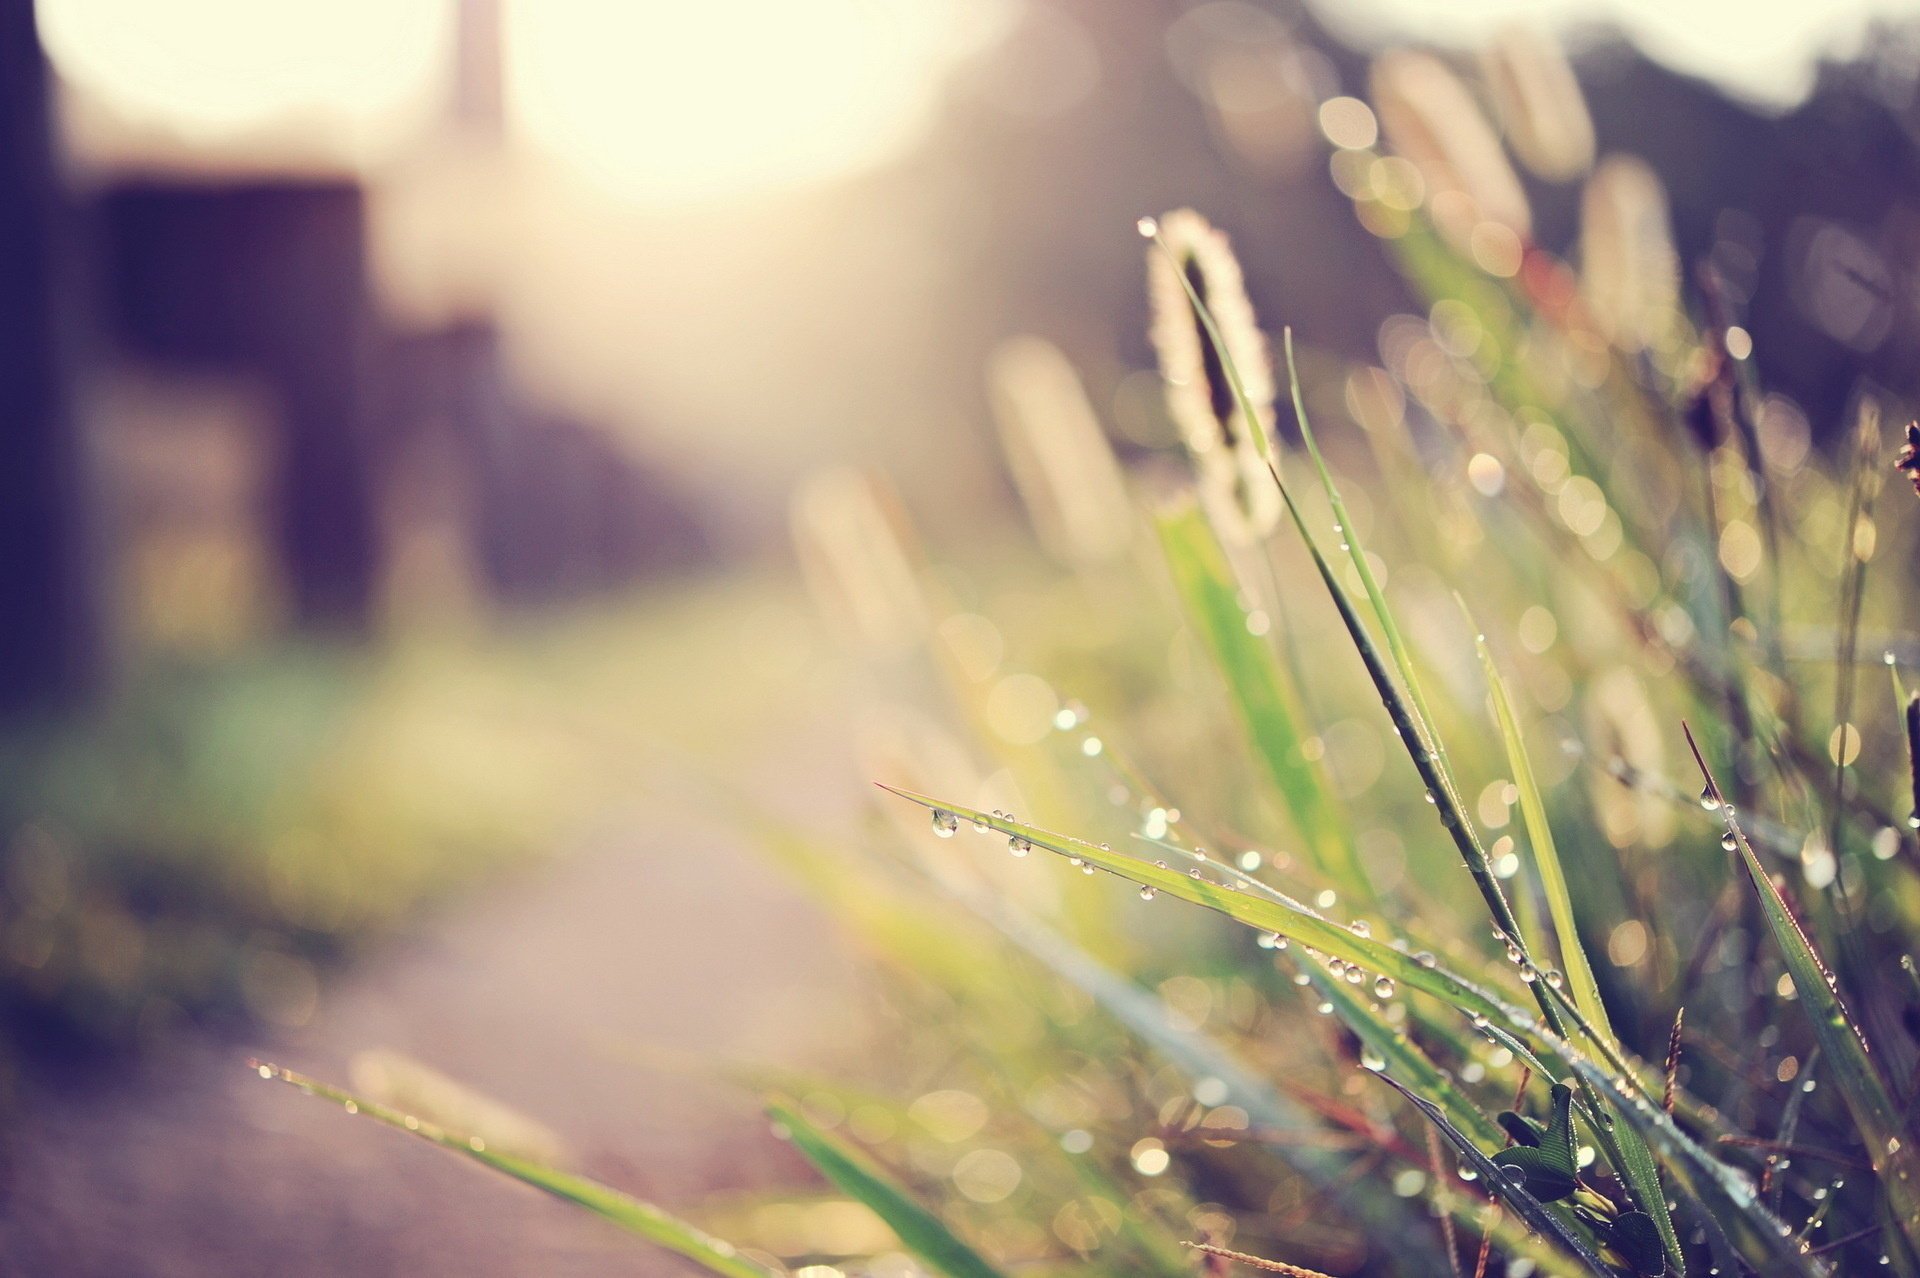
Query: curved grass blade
[
  {"x": 1263, "y": 693},
  {"x": 1870, "y": 1102},
  {"x": 636, "y": 1217},
  {"x": 1421, "y": 741},
  {"x": 858, "y": 1177},
  {"x": 1511, "y": 1189},
  {"x": 1729, "y": 1200},
  {"x": 1703, "y": 1175},
  {"x": 1267, "y": 913}
]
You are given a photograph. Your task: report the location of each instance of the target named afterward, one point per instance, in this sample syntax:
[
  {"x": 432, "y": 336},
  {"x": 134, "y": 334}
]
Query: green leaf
[
  {"x": 1549, "y": 1165},
  {"x": 1268, "y": 911},
  {"x": 1263, "y": 693},
  {"x": 630, "y": 1214},
  {"x": 1634, "y": 1235},
  {"x": 859, "y": 1177}
]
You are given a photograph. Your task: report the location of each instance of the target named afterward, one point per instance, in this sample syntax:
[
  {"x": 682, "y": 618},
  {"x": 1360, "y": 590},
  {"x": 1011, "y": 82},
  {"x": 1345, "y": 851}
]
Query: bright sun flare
[
  {"x": 662, "y": 101},
  {"x": 671, "y": 101}
]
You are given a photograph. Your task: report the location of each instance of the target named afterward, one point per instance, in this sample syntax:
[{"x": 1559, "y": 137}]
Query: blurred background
[{"x": 402, "y": 400}]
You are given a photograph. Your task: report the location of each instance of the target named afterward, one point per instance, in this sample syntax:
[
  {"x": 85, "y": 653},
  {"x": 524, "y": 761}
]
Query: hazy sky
[{"x": 1762, "y": 50}]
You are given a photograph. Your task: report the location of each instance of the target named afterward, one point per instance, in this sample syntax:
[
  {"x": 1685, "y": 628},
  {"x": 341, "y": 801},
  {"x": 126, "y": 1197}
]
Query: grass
[{"x": 1640, "y": 1034}]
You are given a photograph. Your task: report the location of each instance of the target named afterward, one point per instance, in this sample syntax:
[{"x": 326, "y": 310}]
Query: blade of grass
[
  {"x": 1376, "y": 598},
  {"x": 1553, "y": 880},
  {"x": 1489, "y": 1012},
  {"x": 1867, "y": 1096},
  {"x": 1909, "y": 707},
  {"x": 1417, "y": 738},
  {"x": 1625, "y": 1149},
  {"x": 860, "y": 1178},
  {"x": 1853, "y": 590},
  {"x": 1263, "y": 693},
  {"x": 1510, "y": 1189},
  {"x": 636, "y": 1217}
]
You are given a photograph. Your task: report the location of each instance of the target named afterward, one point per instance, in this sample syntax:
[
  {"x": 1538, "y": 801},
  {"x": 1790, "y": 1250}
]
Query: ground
[{"x": 660, "y": 935}]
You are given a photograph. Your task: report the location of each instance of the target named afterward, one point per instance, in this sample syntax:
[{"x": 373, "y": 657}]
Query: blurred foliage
[
  {"x": 1560, "y": 519},
  {"x": 203, "y": 841}
]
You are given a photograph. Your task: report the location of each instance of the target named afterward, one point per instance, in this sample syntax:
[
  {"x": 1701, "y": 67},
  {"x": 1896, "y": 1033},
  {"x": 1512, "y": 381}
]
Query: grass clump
[{"x": 1644, "y": 1033}]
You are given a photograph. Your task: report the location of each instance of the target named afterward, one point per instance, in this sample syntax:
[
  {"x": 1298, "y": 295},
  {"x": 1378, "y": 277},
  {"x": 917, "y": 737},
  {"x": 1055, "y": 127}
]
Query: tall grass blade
[
  {"x": 858, "y": 1177},
  {"x": 1376, "y": 598},
  {"x": 1262, "y": 690},
  {"x": 1890, "y": 1147},
  {"x": 1629, "y": 1153},
  {"x": 636, "y": 1217},
  {"x": 1553, "y": 879}
]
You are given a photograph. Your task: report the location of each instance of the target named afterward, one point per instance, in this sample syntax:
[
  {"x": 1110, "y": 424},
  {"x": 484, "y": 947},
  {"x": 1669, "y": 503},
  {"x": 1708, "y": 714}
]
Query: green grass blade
[
  {"x": 859, "y": 1177},
  {"x": 1729, "y": 1201},
  {"x": 1510, "y": 1189},
  {"x": 1890, "y": 1148},
  {"x": 1581, "y": 985},
  {"x": 1625, "y": 1149},
  {"x": 1704, "y": 1175},
  {"x": 631, "y": 1214},
  {"x": 1270, "y": 912},
  {"x": 1408, "y": 720},
  {"x": 1262, "y": 691},
  {"x": 1376, "y": 598}
]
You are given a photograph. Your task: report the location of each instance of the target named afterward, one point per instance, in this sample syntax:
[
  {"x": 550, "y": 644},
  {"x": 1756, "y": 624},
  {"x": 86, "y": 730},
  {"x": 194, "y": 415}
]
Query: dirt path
[{"x": 667, "y": 934}]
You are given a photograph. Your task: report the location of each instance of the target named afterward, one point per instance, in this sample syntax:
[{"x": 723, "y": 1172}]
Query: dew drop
[
  {"x": 1019, "y": 846},
  {"x": 1148, "y": 227},
  {"x": 1359, "y": 928},
  {"x": 1728, "y": 843},
  {"x": 1147, "y": 893},
  {"x": 1383, "y": 987},
  {"x": 945, "y": 823}
]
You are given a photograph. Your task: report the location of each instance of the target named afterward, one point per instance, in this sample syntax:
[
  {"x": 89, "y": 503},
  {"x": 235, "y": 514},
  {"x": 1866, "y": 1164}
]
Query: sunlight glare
[
  {"x": 336, "y": 74},
  {"x": 674, "y": 101}
]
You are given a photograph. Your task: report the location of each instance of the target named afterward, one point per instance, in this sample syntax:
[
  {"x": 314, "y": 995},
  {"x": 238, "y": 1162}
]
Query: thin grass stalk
[
  {"x": 1350, "y": 542},
  {"x": 1629, "y": 1157}
]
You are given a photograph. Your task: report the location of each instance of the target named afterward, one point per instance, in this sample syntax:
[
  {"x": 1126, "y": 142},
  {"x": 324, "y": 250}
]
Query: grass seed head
[
  {"x": 1232, "y": 477},
  {"x": 1062, "y": 463},
  {"x": 1539, "y": 102},
  {"x": 1431, "y": 119}
]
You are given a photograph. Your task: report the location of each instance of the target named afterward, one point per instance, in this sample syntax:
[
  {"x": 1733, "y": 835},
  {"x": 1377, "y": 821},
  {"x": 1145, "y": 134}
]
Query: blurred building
[{"x": 229, "y": 421}]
